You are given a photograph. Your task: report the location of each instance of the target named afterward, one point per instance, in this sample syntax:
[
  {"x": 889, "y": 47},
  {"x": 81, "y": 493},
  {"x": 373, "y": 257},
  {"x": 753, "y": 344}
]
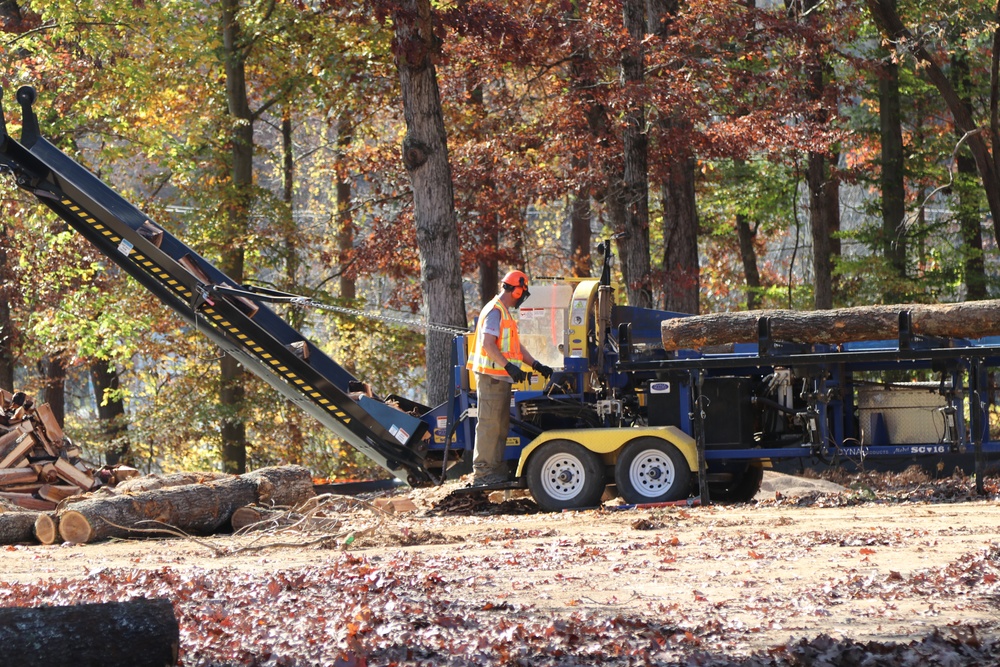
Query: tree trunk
[
  {"x": 137, "y": 633},
  {"x": 893, "y": 188},
  {"x": 237, "y": 211},
  {"x": 295, "y": 316},
  {"x": 965, "y": 190},
  {"x": 489, "y": 271},
  {"x": 194, "y": 508},
  {"x": 17, "y": 527},
  {"x": 580, "y": 235},
  {"x": 681, "y": 285},
  {"x": 633, "y": 191},
  {"x": 824, "y": 219},
  {"x": 345, "y": 215},
  {"x": 6, "y": 325},
  {"x": 291, "y": 251},
  {"x": 680, "y": 239},
  {"x": 887, "y": 19},
  {"x": 55, "y": 385},
  {"x": 487, "y": 228},
  {"x": 425, "y": 155},
  {"x": 110, "y": 412},
  {"x": 583, "y": 81},
  {"x": 970, "y": 225},
  {"x": 821, "y": 180},
  {"x": 970, "y": 319},
  {"x": 748, "y": 254}
]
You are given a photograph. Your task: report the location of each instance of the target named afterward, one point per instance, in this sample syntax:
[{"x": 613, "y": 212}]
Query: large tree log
[
  {"x": 17, "y": 527},
  {"x": 138, "y": 633},
  {"x": 971, "y": 319},
  {"x": 194, "y": 508}
]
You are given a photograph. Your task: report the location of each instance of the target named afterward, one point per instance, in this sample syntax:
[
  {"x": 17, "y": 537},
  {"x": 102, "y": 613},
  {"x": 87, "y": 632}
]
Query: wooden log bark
[
  {"x": 200, "y": 509},
  {"x": 252, "y": 518},
  {"x": 18, "y": 450},
  {"x": 10, "y": 476},
  {"x": 17, "y": 527},
  {"x": 57, "y": 492},
  {"x": 283, "y": 486},
  {"x": 151, "y": 482},
  {"x": 28, "y": 501},
  {"x": 137, "y": 633},
  {"x": 8, "y": 440},
  {"x": 70, "y": 473},
  {"x": 971, "y": 319}
]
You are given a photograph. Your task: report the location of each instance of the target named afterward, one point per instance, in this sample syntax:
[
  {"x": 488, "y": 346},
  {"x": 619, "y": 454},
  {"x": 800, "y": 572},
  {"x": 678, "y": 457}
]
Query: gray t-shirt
[{"x": 492, "y": 323}]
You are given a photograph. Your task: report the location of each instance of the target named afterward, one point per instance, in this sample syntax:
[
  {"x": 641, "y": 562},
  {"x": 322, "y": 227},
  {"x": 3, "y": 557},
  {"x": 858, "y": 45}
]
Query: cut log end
[
  {"x": 46, "y": 529},
  {"x": 245, "y": 516},
  {"x": 74, "y": 527}
]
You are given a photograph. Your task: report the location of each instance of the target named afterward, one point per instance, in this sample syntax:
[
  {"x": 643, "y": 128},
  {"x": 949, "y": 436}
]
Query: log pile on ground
[
  {"x": 39, "y": 465},
  {"x": 187, "y": 509},
  {"x": 48, "y": 493}
]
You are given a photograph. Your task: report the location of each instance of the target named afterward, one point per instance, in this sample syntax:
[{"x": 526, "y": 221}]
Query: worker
[{"x": 496, "y": 360}]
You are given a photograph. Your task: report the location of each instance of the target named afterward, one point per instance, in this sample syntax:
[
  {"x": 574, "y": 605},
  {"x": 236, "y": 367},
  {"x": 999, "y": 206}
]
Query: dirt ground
[{"x": 799, "y": 563}]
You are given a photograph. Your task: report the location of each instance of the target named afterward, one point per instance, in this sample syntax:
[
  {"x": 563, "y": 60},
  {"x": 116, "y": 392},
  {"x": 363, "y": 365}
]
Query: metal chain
[
  {"x": 275, "y": 296},
  {"x": 413, "y": 324}
]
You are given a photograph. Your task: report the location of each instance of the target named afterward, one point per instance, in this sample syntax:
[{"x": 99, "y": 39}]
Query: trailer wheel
[
  {"x": 743, "y": 488},
  {"x": 651, "y": 470},
  {"x": 564, "y": 475}
]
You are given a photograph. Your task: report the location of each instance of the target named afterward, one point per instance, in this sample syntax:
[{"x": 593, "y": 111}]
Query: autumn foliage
[{"x": 755, "y": 105}]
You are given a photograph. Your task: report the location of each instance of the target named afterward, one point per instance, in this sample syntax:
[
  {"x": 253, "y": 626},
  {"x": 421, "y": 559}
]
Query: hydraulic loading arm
[{"x": 216, "y": 305}]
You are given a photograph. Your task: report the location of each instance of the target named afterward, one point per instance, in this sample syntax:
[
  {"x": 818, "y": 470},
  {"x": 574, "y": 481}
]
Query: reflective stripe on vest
[{"x": 507, "y": 341}]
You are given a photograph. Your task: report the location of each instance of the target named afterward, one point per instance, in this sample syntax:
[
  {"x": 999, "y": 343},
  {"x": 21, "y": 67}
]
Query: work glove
[
  {"x": 515, "y": 372},
  {"x": 541, "y": 368}
]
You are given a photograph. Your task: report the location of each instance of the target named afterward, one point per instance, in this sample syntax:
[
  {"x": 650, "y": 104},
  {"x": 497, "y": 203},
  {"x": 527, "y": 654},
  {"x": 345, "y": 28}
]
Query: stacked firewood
[{"x": 39, "y": 465}]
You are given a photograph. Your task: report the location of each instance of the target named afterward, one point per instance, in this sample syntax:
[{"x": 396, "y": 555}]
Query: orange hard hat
[
  {"x": 516, "y": 282},
  {"x": 516, "y": 279}
]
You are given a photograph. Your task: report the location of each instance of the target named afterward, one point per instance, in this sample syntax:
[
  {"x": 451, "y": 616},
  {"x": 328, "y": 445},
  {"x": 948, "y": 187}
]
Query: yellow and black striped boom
[{"x": 230, "y": 316}]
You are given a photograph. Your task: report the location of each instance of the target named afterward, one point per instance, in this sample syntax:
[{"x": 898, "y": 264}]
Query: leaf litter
[{"x": 455, "y": 583}]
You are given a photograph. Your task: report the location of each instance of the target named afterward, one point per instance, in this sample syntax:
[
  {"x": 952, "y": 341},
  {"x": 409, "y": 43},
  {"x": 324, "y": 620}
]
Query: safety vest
[{"x": 507, "y": 341}]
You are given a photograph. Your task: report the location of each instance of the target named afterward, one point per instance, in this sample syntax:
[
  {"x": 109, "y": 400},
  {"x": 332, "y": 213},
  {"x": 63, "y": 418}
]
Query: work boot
[{"x": 489, "y": 479}]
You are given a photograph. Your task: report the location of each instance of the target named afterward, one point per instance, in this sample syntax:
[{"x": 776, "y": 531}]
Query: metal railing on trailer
[{"x": 965, "y": 363}]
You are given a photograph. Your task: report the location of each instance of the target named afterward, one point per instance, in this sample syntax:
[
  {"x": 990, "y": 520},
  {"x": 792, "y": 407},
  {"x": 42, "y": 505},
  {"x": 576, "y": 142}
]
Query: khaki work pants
[{"x": 492, "y": 427}]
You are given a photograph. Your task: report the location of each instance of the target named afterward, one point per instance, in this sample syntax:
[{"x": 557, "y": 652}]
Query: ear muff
[
  {"x": 518, "y": 292},
  {"x": 516, "y": 283}
]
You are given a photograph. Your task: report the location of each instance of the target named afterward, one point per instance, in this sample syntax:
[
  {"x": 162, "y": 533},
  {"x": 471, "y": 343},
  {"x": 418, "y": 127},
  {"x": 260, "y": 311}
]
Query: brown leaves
[
  {"x": 705, "y": 588},
  {"x": 402, "y": 609}
]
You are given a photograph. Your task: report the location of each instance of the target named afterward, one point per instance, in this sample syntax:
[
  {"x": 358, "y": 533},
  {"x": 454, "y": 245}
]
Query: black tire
[
  {"x": 651, "y": 470},
  {"x": 742, "y": 489},
  {"x": 564, "y": 475}
]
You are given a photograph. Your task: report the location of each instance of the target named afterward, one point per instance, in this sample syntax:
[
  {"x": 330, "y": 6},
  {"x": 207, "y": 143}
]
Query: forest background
[{"x": 398, "y": 157}]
